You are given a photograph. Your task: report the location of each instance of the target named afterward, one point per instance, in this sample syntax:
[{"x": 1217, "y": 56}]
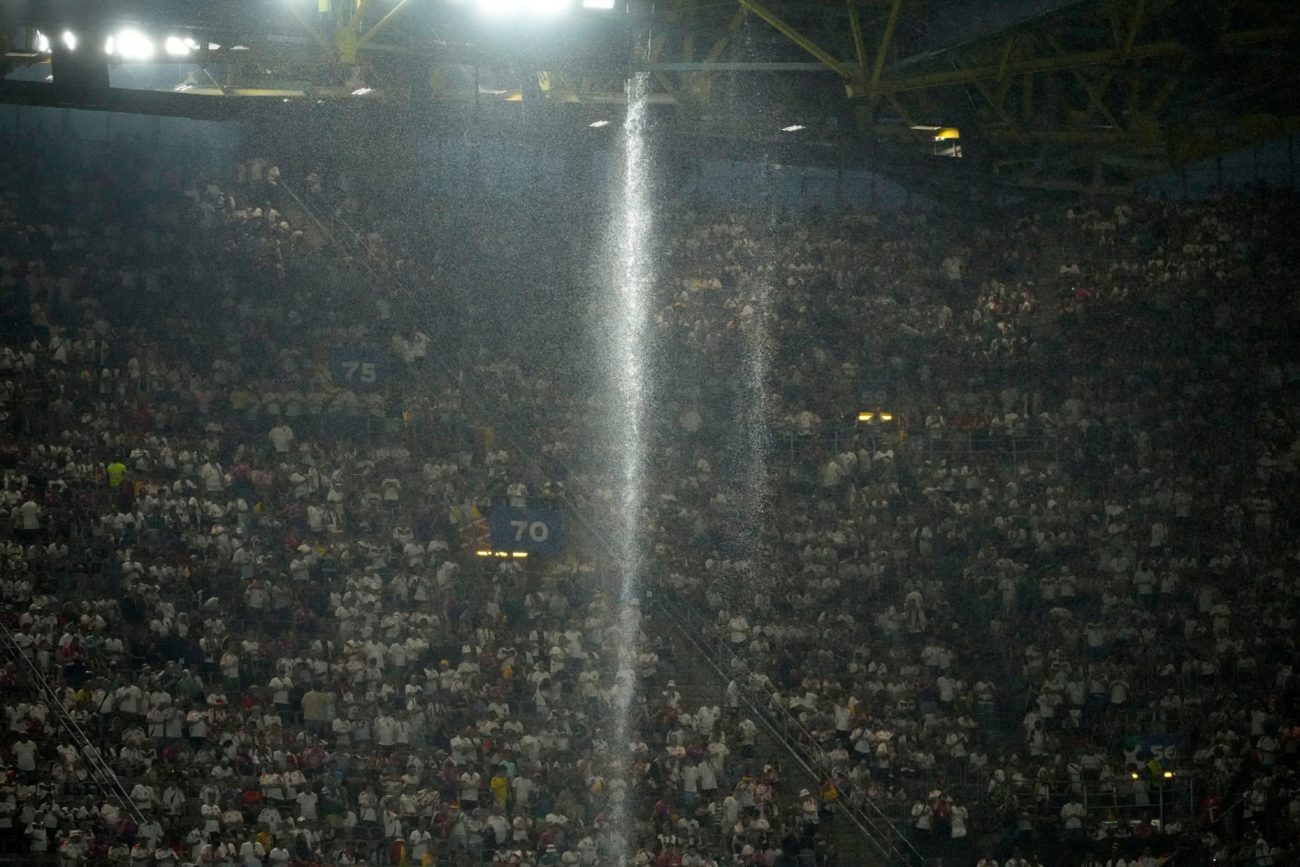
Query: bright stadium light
[
  {"x": 175, "y": 46},
  {"x": 69, "y": 40},
  {"x": 42, "y": 43},
  {"x": 794, "y": 127},
  {"x": 597, "y": 124},
  {"x": 132, "y": 45},
  {"x": 362, "y": 91},
  {"x": 498, "y": 8},
  {"x": 502, "y": 9}
]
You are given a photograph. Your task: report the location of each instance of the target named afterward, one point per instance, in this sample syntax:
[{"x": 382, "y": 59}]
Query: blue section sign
[
  {"x": 356, "y": 367},
  {"x": 537, "y": 531},
  {"x": 1140, "y": 749}
]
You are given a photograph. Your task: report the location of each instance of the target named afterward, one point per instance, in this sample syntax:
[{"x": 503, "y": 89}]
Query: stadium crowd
[{"x": 252, "y": 584}]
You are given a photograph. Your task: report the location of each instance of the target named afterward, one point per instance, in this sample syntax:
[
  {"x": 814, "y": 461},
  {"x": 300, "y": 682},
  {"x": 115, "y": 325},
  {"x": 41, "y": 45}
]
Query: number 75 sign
[
  {"x": 537, "y": 531},
  {"x": 355, "y": 367}
]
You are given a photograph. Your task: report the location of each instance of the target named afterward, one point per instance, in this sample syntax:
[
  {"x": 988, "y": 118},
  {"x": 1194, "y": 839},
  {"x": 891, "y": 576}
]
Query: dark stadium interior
[{"x": 649, "y": 434}]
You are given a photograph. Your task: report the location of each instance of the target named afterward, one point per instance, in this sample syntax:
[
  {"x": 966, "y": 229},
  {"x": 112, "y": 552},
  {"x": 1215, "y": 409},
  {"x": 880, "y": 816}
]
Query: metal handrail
[
  {"x": 104, "y": 777},
  {"x": 873, "y": 820}
]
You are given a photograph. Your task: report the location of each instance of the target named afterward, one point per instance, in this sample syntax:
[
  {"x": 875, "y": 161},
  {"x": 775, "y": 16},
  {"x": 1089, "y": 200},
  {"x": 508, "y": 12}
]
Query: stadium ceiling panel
[{"x": 1071, "y": 95}]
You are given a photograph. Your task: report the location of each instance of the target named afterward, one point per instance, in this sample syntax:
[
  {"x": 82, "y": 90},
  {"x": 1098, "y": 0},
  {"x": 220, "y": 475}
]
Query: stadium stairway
[
  {"x": 858, "y": 836},
  {"x": 699, "y": 685},
  {"x": 315, "y": 232},
  {"x": 101, "y": 775}
]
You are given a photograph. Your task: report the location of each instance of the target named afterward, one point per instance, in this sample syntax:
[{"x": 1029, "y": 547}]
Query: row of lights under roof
[
  {"x": 502, "y": 8},
  {"x": 131, "y": 44},
  {"x": 794, "y": 127}
]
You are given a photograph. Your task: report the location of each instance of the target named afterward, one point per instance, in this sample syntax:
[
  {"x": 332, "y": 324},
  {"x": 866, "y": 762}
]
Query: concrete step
[{"x": 699, "y": 684}]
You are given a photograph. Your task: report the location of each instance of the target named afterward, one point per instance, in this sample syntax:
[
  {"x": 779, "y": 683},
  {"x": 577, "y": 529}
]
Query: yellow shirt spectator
[{"x": 116, "y": 472}]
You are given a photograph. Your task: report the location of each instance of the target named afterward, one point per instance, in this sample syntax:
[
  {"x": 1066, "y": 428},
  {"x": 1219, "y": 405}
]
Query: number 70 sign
[
  {"x": 533, "y": 531},
  {"x": 537, "y": 531}
]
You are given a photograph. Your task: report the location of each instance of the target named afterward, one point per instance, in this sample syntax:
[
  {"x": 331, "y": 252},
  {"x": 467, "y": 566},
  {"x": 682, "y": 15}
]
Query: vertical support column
[
  {"x": 1290, "y": 160},
  {"x": 859, "y": 42},
  {"x": 883, "y": 50}
]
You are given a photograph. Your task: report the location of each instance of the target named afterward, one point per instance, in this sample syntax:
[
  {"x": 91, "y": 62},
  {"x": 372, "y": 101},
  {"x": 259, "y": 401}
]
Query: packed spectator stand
[{"x": 253, "y": 588}]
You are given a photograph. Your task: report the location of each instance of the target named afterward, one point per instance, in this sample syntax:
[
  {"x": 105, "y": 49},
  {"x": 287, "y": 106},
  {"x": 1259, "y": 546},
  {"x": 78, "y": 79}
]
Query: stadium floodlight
[
  {"x": 794, "y": 127},
  {"x": 130, "y": 44},
  {"x": 546, "y": 7},
  {"x": 498, "y": 8},
  {"x": 176, "y": 46},
  {"x": 597, "y": 124},
  {"x": 362, "y": 91},
  {"x": 502, "y": 9},
  {"x": 42, "y": 43},
  {"x": 597, "y": 4},
  {"x": 69, "y": 40}
]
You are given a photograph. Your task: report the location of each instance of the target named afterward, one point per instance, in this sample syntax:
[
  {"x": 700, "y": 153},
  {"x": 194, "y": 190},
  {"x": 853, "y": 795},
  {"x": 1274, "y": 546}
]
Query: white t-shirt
[
  {"x": 690, "y": 778},
  {"x": 957, "y": 816},
  {"x": 25, "y": 755},
  {"x": 307, "y": 804},
  {"x": 281, "y": 437},
  {"x": 30, "y": 515}
]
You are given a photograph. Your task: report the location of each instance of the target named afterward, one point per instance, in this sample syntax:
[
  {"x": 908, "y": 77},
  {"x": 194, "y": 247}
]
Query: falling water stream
[
  {"x": 634, "y": 272},
  {"x": 752, "y": 437},
  {"x": 631, "y": 269},
  {"x": 746, "y": 469}
]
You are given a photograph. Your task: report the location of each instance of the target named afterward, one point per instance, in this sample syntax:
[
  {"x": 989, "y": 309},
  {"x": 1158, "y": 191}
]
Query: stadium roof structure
[{"x": 1081, "y": 96}]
